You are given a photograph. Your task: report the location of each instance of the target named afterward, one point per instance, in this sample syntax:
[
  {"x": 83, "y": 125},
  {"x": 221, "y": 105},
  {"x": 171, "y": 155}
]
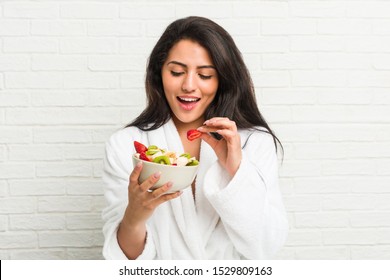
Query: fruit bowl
[{"x": 181, "y": 176}]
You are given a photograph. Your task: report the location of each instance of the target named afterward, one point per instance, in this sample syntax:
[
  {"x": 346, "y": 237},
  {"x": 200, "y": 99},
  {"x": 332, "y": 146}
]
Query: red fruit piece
[
  {"x": 193, "y": 134},
  {"x": 139, "y": 147},
  {"x": 143, "y": 156}
]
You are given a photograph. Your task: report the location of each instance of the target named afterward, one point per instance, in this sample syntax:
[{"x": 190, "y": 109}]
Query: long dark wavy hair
[{"x": 235, "y": 97}]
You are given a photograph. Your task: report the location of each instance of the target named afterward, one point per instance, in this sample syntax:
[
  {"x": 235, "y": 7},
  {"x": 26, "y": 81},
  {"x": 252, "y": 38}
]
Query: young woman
[{"x": 196, "y": 78}]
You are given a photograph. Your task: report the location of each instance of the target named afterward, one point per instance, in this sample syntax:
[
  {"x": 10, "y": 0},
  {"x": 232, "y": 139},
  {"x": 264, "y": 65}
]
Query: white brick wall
[{"x": 71, "y": 73}]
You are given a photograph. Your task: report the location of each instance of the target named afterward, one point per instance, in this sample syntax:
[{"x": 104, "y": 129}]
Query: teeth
[{"x": 189, "y": 99}]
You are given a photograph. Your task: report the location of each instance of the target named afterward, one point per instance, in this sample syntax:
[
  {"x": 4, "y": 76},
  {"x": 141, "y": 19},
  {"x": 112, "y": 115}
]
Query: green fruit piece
[
  {"x": 162, "y": 160},
  {"x": 193, "y": 163},
  {"x": 186, "y": 155},
  {"x": 152, "y": 147},
  {"x": 150, "y": 152}
]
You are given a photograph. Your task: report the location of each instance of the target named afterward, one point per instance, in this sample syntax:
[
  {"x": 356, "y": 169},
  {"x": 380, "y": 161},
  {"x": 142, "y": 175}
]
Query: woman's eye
[
  {"x": 205, "y": 77},
  {"x": 176, "y": 74}
]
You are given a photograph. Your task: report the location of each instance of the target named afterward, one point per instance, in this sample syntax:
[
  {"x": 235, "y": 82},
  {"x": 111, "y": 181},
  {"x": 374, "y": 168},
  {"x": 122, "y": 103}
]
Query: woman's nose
[{"x": 189, "y": 83}]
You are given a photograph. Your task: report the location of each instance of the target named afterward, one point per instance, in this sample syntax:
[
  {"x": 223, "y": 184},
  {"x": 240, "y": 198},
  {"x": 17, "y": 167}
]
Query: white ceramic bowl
[{"x": 181, "y": 176}]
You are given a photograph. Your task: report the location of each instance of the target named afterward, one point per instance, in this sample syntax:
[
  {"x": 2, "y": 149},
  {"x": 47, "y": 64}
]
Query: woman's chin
[{"x": 196, "y": 120}]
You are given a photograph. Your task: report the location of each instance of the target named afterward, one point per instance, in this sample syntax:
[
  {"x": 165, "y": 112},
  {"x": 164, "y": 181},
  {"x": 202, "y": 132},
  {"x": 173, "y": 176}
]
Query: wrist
[
  {"x": 233, "y": 168},
  {"x": 129, "y": 222}
]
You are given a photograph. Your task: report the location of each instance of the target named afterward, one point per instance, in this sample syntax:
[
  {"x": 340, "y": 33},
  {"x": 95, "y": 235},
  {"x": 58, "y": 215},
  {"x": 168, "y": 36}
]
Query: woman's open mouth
[{"x": 188, "y": 102}]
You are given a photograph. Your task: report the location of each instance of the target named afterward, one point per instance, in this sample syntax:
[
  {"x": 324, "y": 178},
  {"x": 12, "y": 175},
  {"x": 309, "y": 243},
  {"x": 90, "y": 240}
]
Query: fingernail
[
  {"x": 169, "y": 185},
  {"x": 139, "y": 164},
  {"x": 157, "y": 174}
]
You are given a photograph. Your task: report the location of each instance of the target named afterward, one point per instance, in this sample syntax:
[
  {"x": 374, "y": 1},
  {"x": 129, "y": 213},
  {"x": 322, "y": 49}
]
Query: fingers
[
  {"x": 220, "y": 121},
  {"x": 136, "y": 187},
  {"x": 161, "y": 190},
  {"x": 209, "y": 139},
  {"x": 160, "y": 195},
  {"x": 217, "y": 125},
  {"x": 145, "y": 186},
  {"x": 135, "y": 174},
  {"x": 223, "y": 126},
  {"x": 150, "y": 182},
  {"x": 166, "y": 197},
  {"x": 226, "y": 133}
]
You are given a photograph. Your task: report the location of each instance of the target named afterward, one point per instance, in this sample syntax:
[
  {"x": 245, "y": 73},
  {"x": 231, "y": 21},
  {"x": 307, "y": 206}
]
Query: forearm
[{"x": 131, "y": 239}]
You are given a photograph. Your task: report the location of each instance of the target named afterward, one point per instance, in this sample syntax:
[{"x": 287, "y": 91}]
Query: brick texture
[{"x": 71, "y": 73}]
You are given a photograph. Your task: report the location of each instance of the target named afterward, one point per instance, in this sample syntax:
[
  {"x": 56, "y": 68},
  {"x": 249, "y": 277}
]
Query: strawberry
[
  {"x": 143, "y": 156},
  {"x": 139, "y": 147},
  {"x": 193, "y": 134}
]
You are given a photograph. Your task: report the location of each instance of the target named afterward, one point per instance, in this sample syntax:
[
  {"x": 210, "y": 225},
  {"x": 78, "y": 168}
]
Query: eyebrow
[{"x": 184, "y": 65}]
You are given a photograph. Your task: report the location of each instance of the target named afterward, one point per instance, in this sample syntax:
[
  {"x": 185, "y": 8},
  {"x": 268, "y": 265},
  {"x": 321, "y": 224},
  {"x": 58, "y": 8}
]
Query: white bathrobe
[{"x": 229, "y": 218}]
